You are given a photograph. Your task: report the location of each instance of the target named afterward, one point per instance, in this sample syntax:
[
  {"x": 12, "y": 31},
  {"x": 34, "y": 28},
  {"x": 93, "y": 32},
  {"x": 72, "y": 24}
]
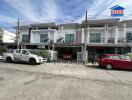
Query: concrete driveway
[{"x": 63, "y": 82}]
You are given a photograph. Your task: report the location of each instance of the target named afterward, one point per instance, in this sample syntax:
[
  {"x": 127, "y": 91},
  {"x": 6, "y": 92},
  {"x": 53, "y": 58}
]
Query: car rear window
[
  {"x": 115, "y": 57},
  {"x": 103, "y": 56}
]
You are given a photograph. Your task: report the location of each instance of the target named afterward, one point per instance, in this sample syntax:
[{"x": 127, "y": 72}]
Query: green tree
[
  {"x": 0, "y": 39},
  {"x": 2, "y": 49},
  {"x": 43, "y": 53}
]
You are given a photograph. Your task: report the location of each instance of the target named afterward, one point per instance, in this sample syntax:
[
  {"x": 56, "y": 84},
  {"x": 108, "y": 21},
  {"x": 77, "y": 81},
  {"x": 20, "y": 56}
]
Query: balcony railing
[
  {"x": 129, "y": 40},
  {"x": 121, "y": 40},
  {"x": 96, "y": 40},
  {"x": 109, "y": 40}
]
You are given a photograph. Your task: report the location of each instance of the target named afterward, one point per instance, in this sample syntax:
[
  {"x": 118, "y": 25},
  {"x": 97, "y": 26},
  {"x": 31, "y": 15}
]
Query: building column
[
  {"x": 106, "y": 33},
  {"x": 88, "y": 35},
  {"x": 62, "y": 29},
  {"x": 49, "y": 33},
  {"x": 36, "y": 35},
  {"x": 62, "y": 33},
  {"x": 116, "y": 35},
  {"x": 82, "y": 35},
  {"x": 53, "y": 47},
  {"x": 116, "y": 50},
  {"x": 124, "y": 32},
  {"x": 131, "y": 49}
]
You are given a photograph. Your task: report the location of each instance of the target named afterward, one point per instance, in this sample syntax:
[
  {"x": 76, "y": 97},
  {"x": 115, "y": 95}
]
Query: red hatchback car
[
  {"x": 67, "y": 56},
  {"x": 110, "y": 61}
]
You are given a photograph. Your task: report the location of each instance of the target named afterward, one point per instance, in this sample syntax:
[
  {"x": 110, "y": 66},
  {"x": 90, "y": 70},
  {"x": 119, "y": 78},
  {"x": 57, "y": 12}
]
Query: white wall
[
  {"x": 35, "y": 35},
  {"x": 120, "y": 33},
  {"x": 62, "y": 31},
  {"x": 59, "y": 34},
  {"x": 8, "y": 37}
]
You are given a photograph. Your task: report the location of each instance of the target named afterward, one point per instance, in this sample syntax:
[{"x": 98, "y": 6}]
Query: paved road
[{"x": 63, "y": 82}]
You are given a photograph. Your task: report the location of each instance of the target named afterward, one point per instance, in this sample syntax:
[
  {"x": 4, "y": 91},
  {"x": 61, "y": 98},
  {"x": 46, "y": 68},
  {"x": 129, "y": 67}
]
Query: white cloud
[
  {"x": 100, "y": 9},
  {"x": 9, "y": 20},
  {"x": 50, "y": 10},
  {"x": 106, "y": 11},
  {"x": 23, "y": 7}
]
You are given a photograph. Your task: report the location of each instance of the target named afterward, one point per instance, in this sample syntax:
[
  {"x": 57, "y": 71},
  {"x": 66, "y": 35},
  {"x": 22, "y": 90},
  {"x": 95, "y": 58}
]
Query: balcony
[
  {"x": 96, "y": 40},
  {"x": 121, "y": 40},
  {"x": 129, "y": 40},
  {"x": 108, "y": 40}
]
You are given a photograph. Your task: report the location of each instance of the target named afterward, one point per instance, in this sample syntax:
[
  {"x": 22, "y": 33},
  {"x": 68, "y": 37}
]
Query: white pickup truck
[{"x": 22, "y": 55}]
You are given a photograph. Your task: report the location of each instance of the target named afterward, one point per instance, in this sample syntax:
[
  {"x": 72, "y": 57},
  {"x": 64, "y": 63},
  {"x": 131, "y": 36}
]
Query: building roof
[
  {"x": 127, "y": 21},
  {"x": 43, "y": 24},
  {"x": 114, "y": 21},
  {"x": 70, "y": 25},
  {"x": 94, "y": 23},
  {"x": 117, "y": 7}
]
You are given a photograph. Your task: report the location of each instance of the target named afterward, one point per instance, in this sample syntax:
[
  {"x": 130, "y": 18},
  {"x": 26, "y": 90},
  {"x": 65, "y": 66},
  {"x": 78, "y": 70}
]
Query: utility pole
[
  {"x": 18, "y": 34},
  {"x": 85, "y": 39}
]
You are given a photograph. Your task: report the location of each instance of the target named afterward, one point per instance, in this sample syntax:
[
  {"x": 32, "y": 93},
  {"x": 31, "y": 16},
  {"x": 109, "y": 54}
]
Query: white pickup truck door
[
  {"x": 25, "y": 55},
  {"x": 17, "y": 55}
]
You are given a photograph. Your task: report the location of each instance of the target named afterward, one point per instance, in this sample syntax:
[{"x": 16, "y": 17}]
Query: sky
[{"x": 59, "y": 11}]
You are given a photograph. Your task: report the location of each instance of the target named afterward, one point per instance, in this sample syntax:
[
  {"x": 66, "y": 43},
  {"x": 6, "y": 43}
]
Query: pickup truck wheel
[
  {"x": 109, "y": 66},
  {"x": 9, "y": 60},
  {"x": 32, "y": 61}
]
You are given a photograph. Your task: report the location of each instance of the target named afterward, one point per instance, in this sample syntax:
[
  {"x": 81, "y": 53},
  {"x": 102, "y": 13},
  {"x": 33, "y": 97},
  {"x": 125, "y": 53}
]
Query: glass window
[
  {"x": 25, "y": 52},
  {"x": 124, "y": 57},
  {"x": 95, "y": 37},
  {"x": 44, "y": 38},
  {"x": 129, "y": 37},
  {"x": 25, "y": 38},
  {"x": 115, "y": 57},
  {"x": 69, "y": 38},
  {"x": 18, "y": 51}
]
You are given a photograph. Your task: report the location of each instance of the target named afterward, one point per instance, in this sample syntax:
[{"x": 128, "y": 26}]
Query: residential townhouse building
[
  {"x": 38, "y": 35},
  {"x": 103, "y": 36}
]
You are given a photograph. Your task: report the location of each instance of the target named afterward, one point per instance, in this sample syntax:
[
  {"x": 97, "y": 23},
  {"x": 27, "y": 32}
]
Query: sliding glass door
[{"x": 95, "y": 37}]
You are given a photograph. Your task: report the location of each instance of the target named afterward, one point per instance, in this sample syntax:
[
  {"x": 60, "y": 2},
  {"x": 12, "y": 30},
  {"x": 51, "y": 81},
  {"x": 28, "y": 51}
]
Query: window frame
[
  {"x": 25, "y": 38},
  {"x": 94, "y": 38},
  {"x": 18, "y": 52},
  {"x": 25, "y": 53},
  {"x": 69, "y": 38},
  {"x": 42, "y": 39}
]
